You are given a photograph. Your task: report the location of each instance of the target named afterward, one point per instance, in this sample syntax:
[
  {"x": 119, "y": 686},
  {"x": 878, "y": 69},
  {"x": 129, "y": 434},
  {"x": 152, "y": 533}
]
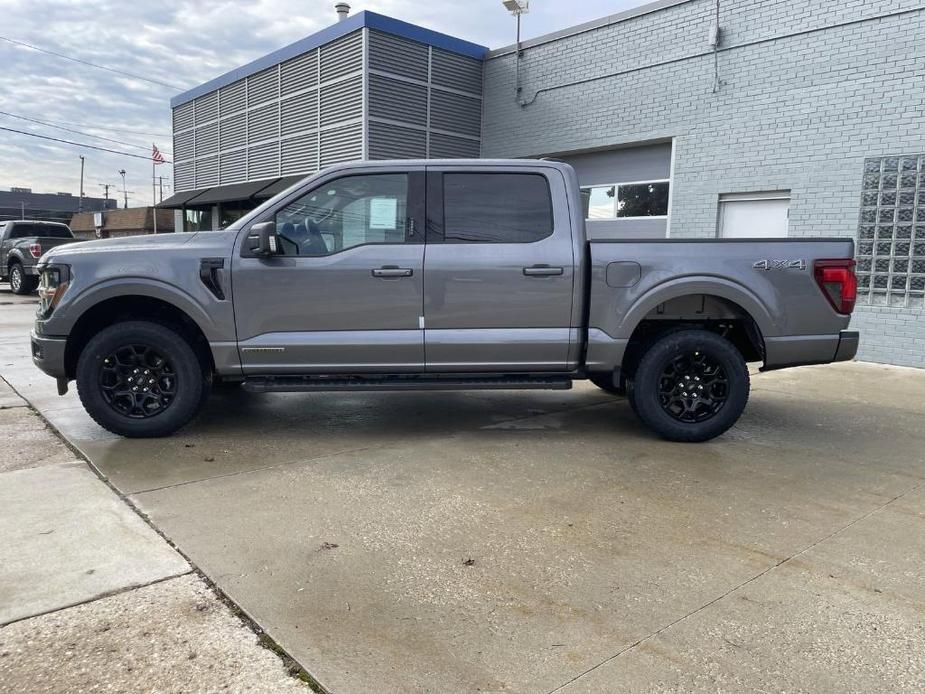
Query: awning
[
  {"x": 279, "y": 186},
  {"x": 180, "y": 199},
  {"x": 235, "y": 191}
]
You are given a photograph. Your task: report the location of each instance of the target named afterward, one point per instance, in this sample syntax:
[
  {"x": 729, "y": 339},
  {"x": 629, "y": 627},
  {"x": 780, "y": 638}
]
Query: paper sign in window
[{"x": 383, "y": 213}]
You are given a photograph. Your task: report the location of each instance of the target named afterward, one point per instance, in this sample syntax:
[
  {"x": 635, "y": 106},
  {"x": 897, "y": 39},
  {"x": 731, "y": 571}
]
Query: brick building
[
  {"x": 683, "y": 118},
  {"x": 130, "y": 221}
]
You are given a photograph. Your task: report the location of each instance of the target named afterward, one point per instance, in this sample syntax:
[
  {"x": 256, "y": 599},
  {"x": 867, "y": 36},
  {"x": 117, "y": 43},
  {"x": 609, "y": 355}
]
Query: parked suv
[
  {"x": 435, "y": 275},
  {"x": 22, "y": 243}
]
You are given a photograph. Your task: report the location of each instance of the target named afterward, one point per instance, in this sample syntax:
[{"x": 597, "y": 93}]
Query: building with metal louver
[{"x": 368, "y": 87}]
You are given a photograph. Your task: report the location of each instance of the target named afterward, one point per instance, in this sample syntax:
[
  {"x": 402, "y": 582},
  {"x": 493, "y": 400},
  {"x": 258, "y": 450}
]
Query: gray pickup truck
[
  {"x": 22, "y": 243},
  {"x": 459, "y": 274}
]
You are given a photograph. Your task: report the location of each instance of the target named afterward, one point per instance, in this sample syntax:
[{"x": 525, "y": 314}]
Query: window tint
[
  {"x": 48, "y": 231},
  {"x": 647, "y": 199},
  {"x": 344, "y": 213},
  {"x": 496, "y": 208}
]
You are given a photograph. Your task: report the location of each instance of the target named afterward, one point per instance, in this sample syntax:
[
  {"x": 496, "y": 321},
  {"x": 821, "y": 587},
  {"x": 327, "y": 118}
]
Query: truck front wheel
[
  {"x": 690, "y": 386},
  {"x": 20, "y": 282},
  {"x": 140, "y": 379}
]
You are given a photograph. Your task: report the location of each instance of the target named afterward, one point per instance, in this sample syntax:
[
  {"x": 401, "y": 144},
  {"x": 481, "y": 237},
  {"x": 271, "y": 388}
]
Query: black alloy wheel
[
  {"x": 693, "y": 387},
  {"x": 138, "y": 381},
  {"x": 140, "y": 378}
]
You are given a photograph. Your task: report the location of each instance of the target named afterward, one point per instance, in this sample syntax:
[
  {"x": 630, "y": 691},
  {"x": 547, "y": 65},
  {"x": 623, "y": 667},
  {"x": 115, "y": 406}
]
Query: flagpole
[{"x": 153, "y": 194}]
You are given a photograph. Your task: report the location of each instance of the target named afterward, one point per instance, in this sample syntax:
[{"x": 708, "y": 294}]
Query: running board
[{"x": 302, "y": 384}]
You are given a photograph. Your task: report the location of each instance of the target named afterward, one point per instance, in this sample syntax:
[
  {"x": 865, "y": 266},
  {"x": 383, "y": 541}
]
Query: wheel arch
[
  {"x": 112, "y": 308},
  {"x": 710, "y": 303}
]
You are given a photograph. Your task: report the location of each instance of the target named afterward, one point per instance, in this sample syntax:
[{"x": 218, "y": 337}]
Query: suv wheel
[
  {"x": 690, "y": 386},
  {"x": 140, "y": 379},
  {"x": 20, "y": 282}
]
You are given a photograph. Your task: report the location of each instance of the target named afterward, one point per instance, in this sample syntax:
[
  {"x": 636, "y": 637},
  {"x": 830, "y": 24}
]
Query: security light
[{"x": 516, "y": 6}]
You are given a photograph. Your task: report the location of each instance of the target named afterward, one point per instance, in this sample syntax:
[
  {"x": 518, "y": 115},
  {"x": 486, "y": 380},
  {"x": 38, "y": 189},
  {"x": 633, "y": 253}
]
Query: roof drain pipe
[{"x": 715, "y": 39}]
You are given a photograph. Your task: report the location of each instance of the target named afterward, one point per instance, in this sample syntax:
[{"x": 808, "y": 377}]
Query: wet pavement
[{"x": 532, "y": 541}]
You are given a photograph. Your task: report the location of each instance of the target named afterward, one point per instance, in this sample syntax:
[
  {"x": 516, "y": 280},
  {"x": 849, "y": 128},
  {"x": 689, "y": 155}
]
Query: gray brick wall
[{"x": 809, "y": 89}]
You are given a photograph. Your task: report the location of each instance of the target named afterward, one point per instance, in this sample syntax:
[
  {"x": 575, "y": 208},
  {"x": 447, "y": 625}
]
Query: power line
[
  {"x": 87, "y": 62},
  {"x": 100, "y": 127},
  {"x": 78, "y": 132},
  {"x": 80, "y": 144}
]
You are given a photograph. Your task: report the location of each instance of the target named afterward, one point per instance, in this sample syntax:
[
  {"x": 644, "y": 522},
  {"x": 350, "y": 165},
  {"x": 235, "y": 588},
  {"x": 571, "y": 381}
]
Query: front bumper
[
  {"x": 848, "y": 342},
  {"x": 48, "y": 354}
]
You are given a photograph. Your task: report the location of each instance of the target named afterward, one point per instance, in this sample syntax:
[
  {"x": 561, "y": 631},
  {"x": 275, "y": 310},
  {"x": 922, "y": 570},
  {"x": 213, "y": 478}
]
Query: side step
[{"x": 302, "y": 384}]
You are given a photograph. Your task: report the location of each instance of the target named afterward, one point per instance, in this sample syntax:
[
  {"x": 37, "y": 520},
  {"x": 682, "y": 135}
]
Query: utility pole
[
  {"x": 105, "y": 187},
  {"x": 124, "y": 191},
  {"x": 80, "y": 200}
]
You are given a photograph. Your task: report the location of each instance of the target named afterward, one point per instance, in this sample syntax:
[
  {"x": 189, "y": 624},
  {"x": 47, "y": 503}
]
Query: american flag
[{"x": 156, "y": 155}]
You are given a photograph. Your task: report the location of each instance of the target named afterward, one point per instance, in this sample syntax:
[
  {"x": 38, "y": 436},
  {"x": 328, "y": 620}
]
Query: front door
[
  {"x": 499, "y": 271},
  {"x": 345, "y": 294}
]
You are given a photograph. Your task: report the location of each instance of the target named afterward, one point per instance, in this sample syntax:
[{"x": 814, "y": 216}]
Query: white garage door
[{"x": 754, "y": 215}]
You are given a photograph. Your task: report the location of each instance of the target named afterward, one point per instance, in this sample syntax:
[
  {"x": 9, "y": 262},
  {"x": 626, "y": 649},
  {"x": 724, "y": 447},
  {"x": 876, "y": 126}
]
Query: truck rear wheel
[
  {"x": 20, "y": 282},
  {"x": 140, "y": 379},
  {"x": 690, "y": 386}
]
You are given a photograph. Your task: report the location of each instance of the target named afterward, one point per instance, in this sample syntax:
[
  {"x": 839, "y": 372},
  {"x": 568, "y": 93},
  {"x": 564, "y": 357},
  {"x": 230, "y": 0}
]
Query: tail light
[
  {"x": 837, "y": 281},
  {"x": 36, "y": 250}
]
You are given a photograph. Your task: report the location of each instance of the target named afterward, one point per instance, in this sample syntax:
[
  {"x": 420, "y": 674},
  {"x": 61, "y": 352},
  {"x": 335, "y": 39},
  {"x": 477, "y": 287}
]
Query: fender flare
[
  {"x": 17, "y": 255},
  {"x": 723, "y": 288},
  {"x": 135, "y": 286}
]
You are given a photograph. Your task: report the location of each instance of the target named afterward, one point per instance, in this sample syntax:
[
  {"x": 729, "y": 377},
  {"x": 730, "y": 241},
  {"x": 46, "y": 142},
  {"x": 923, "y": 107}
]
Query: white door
[{"x": 754, "y": 215}]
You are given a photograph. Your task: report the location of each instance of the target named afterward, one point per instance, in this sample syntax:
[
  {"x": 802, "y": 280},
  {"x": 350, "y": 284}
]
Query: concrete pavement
[
  {"x": 545, "y": 541},
  {"x": 91, "y": 597}
]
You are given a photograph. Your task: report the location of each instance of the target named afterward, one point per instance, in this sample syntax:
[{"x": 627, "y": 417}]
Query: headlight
[{"x": 53, "y": 282}]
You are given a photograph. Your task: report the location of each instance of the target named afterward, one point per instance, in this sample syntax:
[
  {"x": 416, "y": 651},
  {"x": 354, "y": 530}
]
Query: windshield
[{"x": 258, "y": 211}]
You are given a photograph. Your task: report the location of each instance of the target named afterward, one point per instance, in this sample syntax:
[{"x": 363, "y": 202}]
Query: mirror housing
[{"x": 262, "y": 239}]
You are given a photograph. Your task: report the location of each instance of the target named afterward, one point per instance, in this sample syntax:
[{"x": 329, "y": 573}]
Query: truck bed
[{"x": 770, "y": 280}]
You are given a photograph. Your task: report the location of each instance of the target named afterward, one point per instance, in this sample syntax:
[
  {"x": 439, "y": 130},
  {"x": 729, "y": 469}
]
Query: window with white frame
[{"x": 635, "y": 200}]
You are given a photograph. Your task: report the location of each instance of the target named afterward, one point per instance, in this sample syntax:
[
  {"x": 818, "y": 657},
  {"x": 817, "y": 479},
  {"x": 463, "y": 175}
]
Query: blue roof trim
[
  {"x": 362, "y": 19},
  {"x": 422, "y": 35}
]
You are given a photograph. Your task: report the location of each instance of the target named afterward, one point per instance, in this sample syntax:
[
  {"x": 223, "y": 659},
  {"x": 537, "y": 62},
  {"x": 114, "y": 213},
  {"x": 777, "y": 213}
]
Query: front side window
[
  {"x": 626, "y": 200},
  {"x": 496, "y": 208},
  {"x": 345, "y": 213}
]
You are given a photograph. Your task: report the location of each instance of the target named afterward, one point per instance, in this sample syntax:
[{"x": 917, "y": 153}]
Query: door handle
[
  {"x": 393, "y": 271},
  {"x": 543, "y": 271}
]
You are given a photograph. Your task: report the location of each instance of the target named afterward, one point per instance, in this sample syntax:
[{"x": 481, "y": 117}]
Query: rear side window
[{"x": 496, "y": 208}]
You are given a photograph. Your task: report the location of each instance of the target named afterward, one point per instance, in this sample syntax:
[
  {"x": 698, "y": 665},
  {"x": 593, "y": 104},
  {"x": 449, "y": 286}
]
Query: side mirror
[{"x": 262, "y": 239}]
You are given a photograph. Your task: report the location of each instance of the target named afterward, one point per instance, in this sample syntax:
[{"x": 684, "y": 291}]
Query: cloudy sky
[{"x": 179, "y": 43}]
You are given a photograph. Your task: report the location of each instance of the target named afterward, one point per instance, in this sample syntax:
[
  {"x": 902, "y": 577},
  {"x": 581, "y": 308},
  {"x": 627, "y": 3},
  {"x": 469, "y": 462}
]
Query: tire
[
  {"x": 122, "y": 360},
  {"x": 604, "y": 381},
  {"x": 20, "y": 282},
  {"x": 690, "y": 386}
]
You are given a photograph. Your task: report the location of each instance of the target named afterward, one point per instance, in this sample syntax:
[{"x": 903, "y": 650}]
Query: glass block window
[{"x": 891, "y": 232}]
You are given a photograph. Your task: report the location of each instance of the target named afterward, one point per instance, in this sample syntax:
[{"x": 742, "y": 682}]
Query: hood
[{"x": 143, "y": 245}]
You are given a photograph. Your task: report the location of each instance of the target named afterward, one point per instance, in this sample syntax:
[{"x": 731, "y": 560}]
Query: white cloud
[{"x": 182, "y": 43}]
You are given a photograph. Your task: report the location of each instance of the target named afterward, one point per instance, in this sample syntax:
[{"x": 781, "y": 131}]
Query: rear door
[
  {"x": 498, "y": 270},
  {"x": 345, "y": 296}
]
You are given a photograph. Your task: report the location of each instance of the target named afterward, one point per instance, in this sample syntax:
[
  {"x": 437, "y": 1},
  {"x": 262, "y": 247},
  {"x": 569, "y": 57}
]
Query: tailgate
[{"x": 49, "y": 242}]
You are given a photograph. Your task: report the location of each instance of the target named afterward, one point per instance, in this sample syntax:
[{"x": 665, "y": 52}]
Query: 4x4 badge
[{"x": 780, "y": 264}]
